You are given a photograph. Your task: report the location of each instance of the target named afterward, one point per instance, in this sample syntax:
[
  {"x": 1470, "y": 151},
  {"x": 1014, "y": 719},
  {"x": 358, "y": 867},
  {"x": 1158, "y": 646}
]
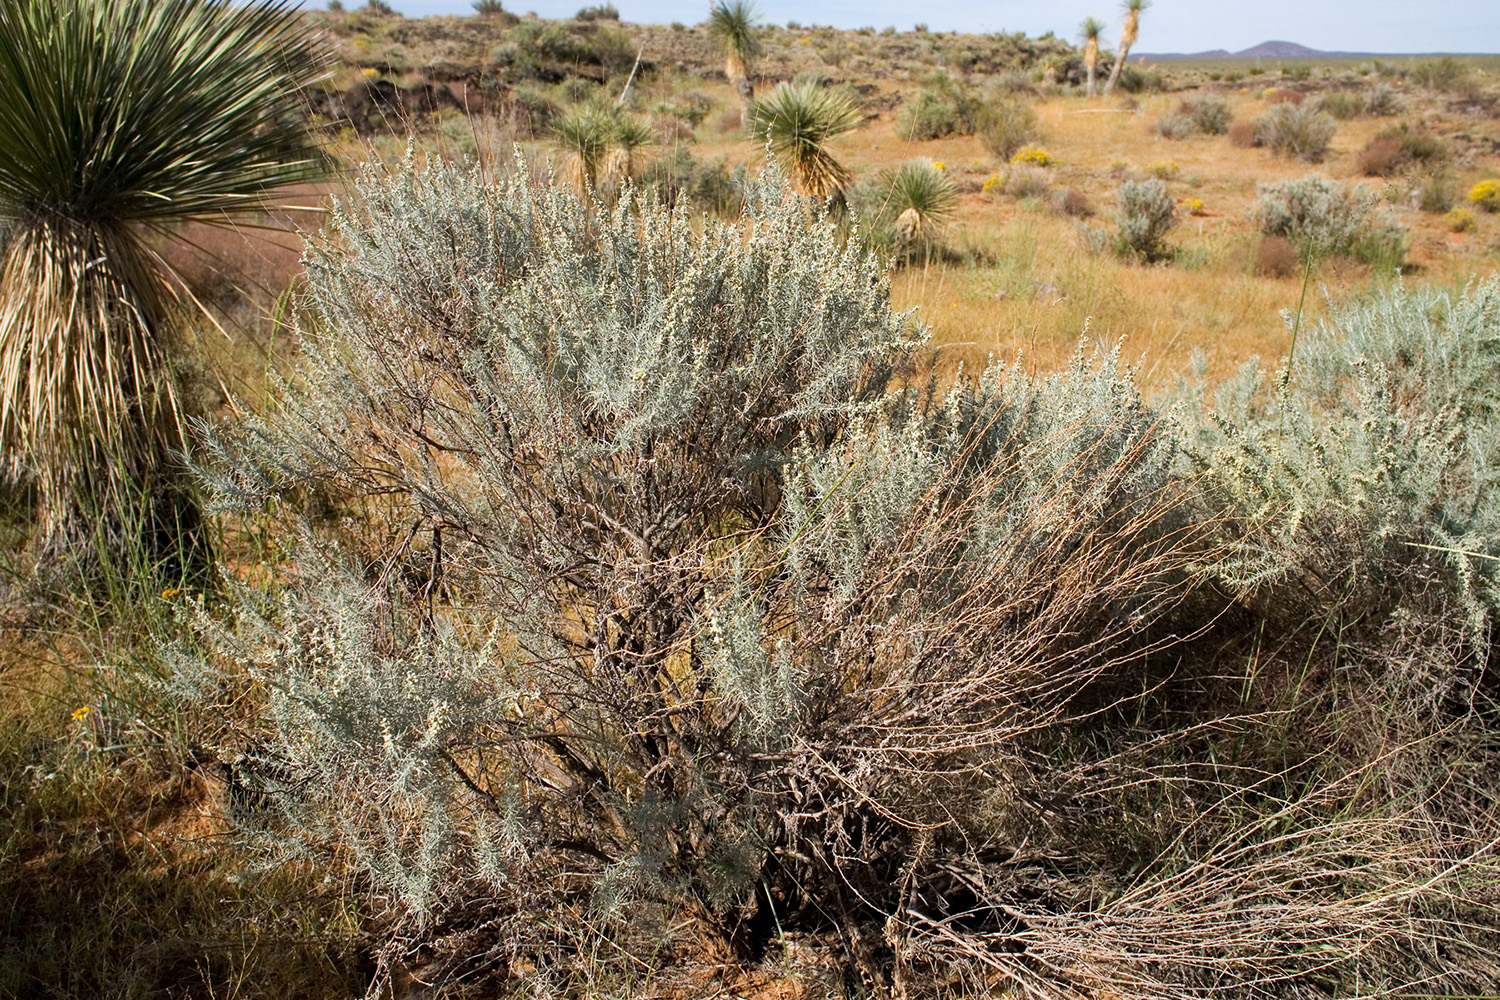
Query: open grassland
[{"x": 1017, "y": 275}]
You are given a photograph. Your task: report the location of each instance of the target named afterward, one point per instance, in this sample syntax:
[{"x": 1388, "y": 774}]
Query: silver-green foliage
[
  {"x": 1144, "y": 216},
  {"x": 1300, "y": 131},
  {"x": 1324, "y": 218},
  {"x": 637, "y": 583},
  {"x": 1372, "y": 458}
]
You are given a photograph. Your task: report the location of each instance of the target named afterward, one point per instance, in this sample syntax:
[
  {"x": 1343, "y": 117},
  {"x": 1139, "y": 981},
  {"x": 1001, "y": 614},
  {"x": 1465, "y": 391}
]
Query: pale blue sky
[{"x": 1169, "y": 26}]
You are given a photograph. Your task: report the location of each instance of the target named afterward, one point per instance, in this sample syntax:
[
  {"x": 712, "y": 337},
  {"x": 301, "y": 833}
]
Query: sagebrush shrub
[
  {"x": 1296, "y": 130},
  {"x": 1342, "y": 104},
  {"x": 639, "y": 599},
  {"x": 1004, "y": 126},
  {"x": 1322, "y": 216},
  {"x": 1145, "y": 215},
  {"x": 1209, "y": 113},
  {"x": 1382, "y": 101},
  {"x": 1176, "y": 126}
]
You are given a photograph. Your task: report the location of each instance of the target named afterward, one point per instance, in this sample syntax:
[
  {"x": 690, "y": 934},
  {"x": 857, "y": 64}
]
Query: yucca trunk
[
  {"x": 1128, "y": 37},
  {"x": 1091, "y": 64},
  {"x": 738, "y": 72},
  {"x": 89, "y": 406}
]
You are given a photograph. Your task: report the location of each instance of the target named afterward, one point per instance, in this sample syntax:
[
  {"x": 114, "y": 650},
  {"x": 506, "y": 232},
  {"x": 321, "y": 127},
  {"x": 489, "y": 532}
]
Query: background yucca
[
  {"x": 920, "y": 199},
  {"x": 796, "y": 122},
  {"x": 119, "y": 120}
]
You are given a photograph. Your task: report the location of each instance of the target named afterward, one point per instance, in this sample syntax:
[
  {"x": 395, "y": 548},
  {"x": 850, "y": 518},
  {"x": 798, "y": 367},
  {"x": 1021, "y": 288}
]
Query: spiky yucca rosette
[{"x": 119, "y": 121}]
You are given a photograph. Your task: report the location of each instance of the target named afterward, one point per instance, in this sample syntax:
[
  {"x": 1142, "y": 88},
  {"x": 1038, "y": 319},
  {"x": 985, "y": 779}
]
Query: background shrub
[
  {"x": 1324, "y": 218},
  {"x": 942, "y": 107},
  {"x": 1209, "y": 113},
  {"x": 1143, "y": 218},
  {"x": 1176, "y": 126},
  {"x": 1459, "y": 220},
  {"x": 1486, "y": 195},
  {"x": 1342, "y": 104},
  {"x": 1073, "y": 202},
  {"x": 1005, "y": 126},
  {"x": 1437, "y": 193},
  {"x": 1243, "y": 135},
  {"x": 1025, "y": 180},
  {"x": 1382, "y": 101},
  {"x": 1297, "y": 131},
  {"x": 1399, "y": 147},
  {"x": 1277, "y": 257}
]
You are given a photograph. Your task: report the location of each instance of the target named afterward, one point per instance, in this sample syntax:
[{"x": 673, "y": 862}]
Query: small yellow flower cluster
[
  {"x": 991, "y": 182},
  {"x": 370, "y": 72},
  {"x": 1165, "y": 170},
  {"x": 939, "y": 165},
  {"x": 1486, "y": 194},
  {"x": 79, "y": 713},
  {"x": 1460, "y": 220},
  {"x": 1194, "y": 206},
  {"x": 1034, "y": 155}
]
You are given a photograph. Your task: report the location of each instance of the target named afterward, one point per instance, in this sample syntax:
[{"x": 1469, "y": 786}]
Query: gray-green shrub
[
  {"x": 1144, "y": 216},
  {"x": 1004, "y": 126},
  {"x": 1209, "y": 113},
  {"x": 1326, "y": 218},
  {"x": 636, "y": 587},
  {"x": 944, "y": 106},
  {"x": 1176, "y": 126},
  {"x": 931, "y": 114},
  {"x": 1300, "y": 131}
]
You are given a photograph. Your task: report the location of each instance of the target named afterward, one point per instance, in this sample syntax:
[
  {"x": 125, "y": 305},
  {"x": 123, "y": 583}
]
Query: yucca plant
[
  {"x": 796, "y": 122},
  {"x": 921, "y": 198},
  {"x": 628, "y": 136},
  {"x": 1089, "y": 31},
  {"x": 584, "y": 136},
  {"x": 732, "y": 23},
  {"x": 119, "y": 121},
  {"x": 1128, "y": 35}
]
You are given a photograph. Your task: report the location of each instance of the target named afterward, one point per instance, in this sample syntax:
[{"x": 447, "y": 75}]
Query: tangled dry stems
[{"x": 641, "y": 579}]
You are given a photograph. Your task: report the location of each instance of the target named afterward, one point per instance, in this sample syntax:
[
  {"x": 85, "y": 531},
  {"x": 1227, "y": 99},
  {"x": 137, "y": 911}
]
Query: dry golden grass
[{"x": 1041, "y": 290}]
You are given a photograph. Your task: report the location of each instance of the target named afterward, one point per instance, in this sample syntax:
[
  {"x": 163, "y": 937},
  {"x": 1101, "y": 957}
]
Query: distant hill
[{"x": 1268, "y": 50}]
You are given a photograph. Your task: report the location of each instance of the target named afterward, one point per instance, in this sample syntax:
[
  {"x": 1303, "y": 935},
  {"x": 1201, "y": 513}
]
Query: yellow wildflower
[
  {"x": 80, "y": 712},
  {"x": 1033, "y": 154}
]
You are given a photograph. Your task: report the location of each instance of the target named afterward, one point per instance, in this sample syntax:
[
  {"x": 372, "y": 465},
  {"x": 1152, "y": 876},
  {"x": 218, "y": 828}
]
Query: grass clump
[{"x": 1296, "y": 130}]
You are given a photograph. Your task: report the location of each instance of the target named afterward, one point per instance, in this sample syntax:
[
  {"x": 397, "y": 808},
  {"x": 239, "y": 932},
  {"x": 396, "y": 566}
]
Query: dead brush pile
[{"x": 645, "y": 599}]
